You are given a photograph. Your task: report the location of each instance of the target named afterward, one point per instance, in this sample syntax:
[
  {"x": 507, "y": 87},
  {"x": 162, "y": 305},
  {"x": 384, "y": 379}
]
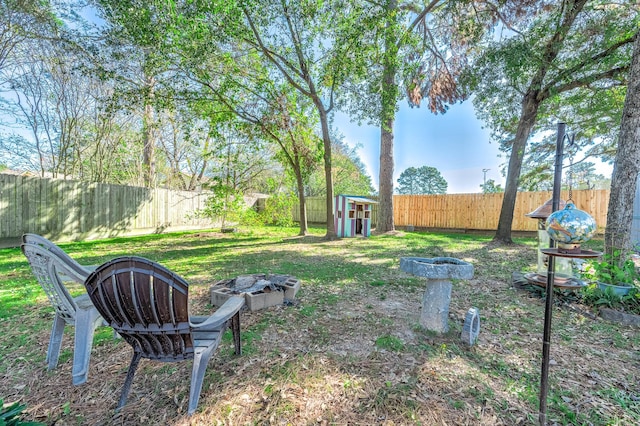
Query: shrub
[
  {"x": 277, "y": 210},
  {"x": 594, "y": 297},
  {"x": 612, "y": 270},
  {"x": 10, "y": 415},
  {"x": 225, "y": 203}
]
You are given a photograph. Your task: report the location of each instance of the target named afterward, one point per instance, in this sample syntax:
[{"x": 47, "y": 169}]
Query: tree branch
[
  {"x": 495, "y": 10},
  {"x": 554, "y": 44},
  {"x": 595, "y": 58},
  {"x": 273, "y": 58},
  {"x": 584, "y": 81},
  {"x": 428, "y": 8}
]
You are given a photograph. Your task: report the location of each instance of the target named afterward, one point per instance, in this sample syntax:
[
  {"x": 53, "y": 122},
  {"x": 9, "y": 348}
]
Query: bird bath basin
[{"x": 438, "y": 272}]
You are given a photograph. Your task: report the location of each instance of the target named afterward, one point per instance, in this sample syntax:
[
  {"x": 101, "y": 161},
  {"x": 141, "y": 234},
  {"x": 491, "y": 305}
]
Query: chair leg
[
  {"x": 127, "y": 383},
  {"x": 55, "y": 341},
  {"x": 86, "y": 322},
  {"x": 200, "y": 361},
  {"x": 235, "y": 330}
]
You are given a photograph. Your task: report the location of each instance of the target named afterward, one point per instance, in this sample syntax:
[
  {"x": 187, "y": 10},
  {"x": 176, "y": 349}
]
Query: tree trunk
[
  {"x": 304, "y": 229},
  {"x": 326, "y": 139},
  {"x": 389, "y": 98},
  {"x": 385, "y": 221},
  {"x": 530, "y": 105},
  {"x": 148, "y": 160},
  {"x": 626, "y": 166},
  {"x": 528, "y": 115}
]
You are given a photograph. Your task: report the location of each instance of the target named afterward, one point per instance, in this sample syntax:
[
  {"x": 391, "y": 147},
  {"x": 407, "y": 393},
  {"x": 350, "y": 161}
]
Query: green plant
[
  {"x": 390, "y": 343},
  {"x": 10, "y": 415},
  {"x": 277, "y": 210},
  {"x": 612, "y": 270},
  {"x": 593, "y": 296},
  {"x": 225, "y": 203}
]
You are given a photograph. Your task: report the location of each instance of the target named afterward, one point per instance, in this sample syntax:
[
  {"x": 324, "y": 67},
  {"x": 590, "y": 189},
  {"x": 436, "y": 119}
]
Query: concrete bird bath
[{"x": 438, "y": 271}]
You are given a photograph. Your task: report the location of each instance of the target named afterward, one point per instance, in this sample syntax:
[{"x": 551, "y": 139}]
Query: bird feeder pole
[{"x": 546, "y": 339}]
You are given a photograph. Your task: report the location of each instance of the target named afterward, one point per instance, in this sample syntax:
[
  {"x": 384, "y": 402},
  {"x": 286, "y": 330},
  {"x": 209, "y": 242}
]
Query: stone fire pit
[
  {"x": 438, "y": 271},
  {"x": 260, "y": 290}
]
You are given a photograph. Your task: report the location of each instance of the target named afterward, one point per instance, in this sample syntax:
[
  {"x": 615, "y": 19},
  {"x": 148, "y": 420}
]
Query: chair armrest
[
  {"x": 221, "y": 316},
  {"x": 81, "y": 271},
  {"x": 75, "y": 272},
  {"x": 83, "y": 301}
]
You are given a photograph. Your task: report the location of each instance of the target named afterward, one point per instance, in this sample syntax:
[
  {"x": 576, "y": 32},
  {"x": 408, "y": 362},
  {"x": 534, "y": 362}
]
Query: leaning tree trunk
[
  {"x": 385, "y": 222},
  {"x": 626, "y": 166},
  {"x": 530, "y": 106},
  {"x": 534, "y": 96}
]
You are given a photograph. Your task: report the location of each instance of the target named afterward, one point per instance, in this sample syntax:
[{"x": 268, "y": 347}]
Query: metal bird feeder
[
  {"x": 563, "y": 266},
  {"x": 581, "y": 232}
]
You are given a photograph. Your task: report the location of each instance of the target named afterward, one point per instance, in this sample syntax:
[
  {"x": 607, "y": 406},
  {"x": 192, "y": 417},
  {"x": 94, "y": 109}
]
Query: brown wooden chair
[{"x": 147, "y": 305}]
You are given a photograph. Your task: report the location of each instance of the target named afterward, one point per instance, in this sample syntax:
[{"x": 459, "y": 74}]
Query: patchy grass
[{"x": 350, "y": 350}]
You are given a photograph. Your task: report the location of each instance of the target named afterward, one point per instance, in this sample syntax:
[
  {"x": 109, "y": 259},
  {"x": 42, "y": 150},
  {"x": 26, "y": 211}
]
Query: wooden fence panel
[
  {"x": 316, "y": 210},
  {"x": 471, "y": 211},
  {"x": 65, "y": 209}
]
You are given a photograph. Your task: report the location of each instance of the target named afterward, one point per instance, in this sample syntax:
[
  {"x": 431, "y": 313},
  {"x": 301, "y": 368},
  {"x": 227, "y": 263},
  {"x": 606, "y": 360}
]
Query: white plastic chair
[{"x": 49, "y": 265}]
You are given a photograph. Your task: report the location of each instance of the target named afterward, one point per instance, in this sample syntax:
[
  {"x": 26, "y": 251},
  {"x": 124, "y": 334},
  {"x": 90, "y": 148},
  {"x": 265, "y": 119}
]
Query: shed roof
[{"x": 359, "y": 199}]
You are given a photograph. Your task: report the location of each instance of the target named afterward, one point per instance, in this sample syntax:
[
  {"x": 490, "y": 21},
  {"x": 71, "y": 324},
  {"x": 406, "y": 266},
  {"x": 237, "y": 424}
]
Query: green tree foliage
[
  {"x": 55, "y": 104},
  {"x": 421, "y": 180},
  {"x": 277, "y": 211},
  {"x": 22, "y": 21},
  {"x": 220, "y": 58},
  {"x": 174, "y": 80},
  {"x": 583, "y": 175},
  {"x": 561, "y": 64},
  {"x": 301, "y": 42},
  {"x": 414, "y": 50},
  {"x": 225, "y": 204},
  {"x": 349, "y": 173},
  {"x": 134, "y": 38},
  {"x": 490, "y": 187},
  {"x": 43, "y": 92},
  {"x": 536, "y": 177}
]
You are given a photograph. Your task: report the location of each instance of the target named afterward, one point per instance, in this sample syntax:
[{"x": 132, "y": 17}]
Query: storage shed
[{"x": 352, "y": 215}]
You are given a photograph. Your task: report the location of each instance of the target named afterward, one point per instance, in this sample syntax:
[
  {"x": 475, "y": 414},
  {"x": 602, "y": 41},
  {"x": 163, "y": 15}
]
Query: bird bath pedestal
[{"x": 439, "y": 271}]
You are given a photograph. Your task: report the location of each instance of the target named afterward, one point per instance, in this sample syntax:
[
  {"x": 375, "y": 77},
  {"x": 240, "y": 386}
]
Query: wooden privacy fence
[
  {"x": 471, "y": 211},
  {"x": 66, "y": 209}
]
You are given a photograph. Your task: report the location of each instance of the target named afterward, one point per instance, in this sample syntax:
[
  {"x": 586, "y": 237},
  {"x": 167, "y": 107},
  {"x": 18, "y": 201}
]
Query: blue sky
[{"x": 454, "y": 143}]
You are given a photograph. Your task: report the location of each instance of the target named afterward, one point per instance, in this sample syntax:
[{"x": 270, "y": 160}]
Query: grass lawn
[{"x": 350, "y": 350}]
